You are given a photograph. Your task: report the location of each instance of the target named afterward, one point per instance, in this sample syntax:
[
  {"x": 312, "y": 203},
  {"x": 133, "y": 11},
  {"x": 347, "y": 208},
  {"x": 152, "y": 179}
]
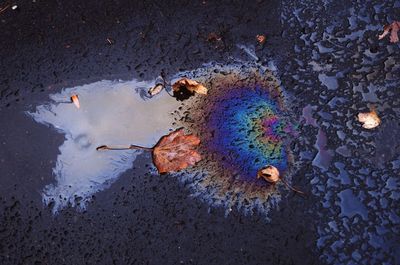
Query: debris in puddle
[
  {"x": 184, "y": 88},
  {"x": 176, "y": 151},
  {"x": 369, "y": 120},
  {"x": 158, "y": 87},
  {"x": 173, "y": 152},
  {"x": 271, "y": 175},
  {"x": 241, "y": 119},
  {"x": 75, "y": 100},
  {"x": 261, "y": 39},
  {"x": 14, "y": 7},
  {"x": 107, "y": 105},
  {"x": 394, "y": 28}
]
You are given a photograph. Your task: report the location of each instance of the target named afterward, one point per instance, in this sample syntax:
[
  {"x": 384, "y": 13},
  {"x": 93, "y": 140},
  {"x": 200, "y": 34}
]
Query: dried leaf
[
  {"x": 173, "y": 152},
  {"x": 176, "y": 151},
  {"x": 75, "y": 100},
  {"x": 369, "y": 120},
  {"x": 190, "y": 85},
  {"x": 269, "y": 173},
  {"x": 156, "y": 89},
  {"x": 261, "y": 39},
  {"x": 394, "y": 28}
]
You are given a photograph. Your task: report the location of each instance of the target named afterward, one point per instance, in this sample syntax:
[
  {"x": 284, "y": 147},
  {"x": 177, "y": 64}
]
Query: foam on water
[{"x": 111, "y": 113}]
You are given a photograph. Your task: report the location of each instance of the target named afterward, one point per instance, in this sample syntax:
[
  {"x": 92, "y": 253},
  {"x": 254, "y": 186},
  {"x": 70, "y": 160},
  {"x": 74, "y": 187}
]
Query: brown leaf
[
  {"x": 394, "y": 27},
  {"x": 369, "y": 120},
  {"x": 269, "y": 173},
  {"x": 75, "y": 100},
  {"x": 261, "y": 39},
  {"x": 190, "y": 85},
  {"x": 156, "y": 89},
  {"x": 176, "y": 151}
]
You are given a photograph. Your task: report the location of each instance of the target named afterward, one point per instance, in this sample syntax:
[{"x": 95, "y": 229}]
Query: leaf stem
[
  {"x": 293, "y": 189},
  {"x": 131, "y": 147}
]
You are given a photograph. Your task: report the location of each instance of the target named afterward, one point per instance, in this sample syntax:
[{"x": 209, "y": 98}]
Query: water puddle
[
  {"x": 111, "y": 112},
  {"x": 350, "y": 205},
  {"x": 324, "y": 156},
  {"x": 243, "y": 126}
]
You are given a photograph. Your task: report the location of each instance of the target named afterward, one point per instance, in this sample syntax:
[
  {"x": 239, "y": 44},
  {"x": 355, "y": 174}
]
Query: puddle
[
  {"x": 111, "y": 112},
  {"x": 324, "y": 156},
  {"x": 243, "y": 126},
  {"x": 350, "y": 205},
  {"x": 329, "y": 81}
]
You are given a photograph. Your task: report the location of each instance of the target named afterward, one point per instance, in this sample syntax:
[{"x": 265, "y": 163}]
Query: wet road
[{"x": 335, "y": 66}]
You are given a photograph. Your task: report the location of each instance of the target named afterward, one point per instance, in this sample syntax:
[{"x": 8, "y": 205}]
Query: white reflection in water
[{"x": 111, "y": 113}]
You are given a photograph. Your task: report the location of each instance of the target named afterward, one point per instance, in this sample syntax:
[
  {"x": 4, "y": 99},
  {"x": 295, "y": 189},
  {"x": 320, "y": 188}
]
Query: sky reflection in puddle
[{"x": 110, "y": 113}]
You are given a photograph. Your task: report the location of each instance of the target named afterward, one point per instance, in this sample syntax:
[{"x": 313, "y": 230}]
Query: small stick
[
  {"x": 293, "y": 189},
  {"x": 4, "y": 8},
  {"x": 131, "y": 147}
]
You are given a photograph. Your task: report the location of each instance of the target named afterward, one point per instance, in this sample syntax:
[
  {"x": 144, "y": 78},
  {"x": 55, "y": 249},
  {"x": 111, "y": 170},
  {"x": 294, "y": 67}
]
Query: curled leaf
[
  {"x": 159, "y": 85},
  {"x": 369, "y": 120},
  {"x": 269, "y": 173},
  {"x": 75, "y": 100},
  {"x": 261, "y": 39},
  {"x": 190, "y": 85},
  {"x": 176, "y": 151},
  {"x": 394, "y": 28},
  {"x": 156, "y": 89}
]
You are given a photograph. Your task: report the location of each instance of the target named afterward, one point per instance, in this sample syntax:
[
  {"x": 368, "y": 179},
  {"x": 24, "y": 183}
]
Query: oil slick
[
  {"x": 243, "y": 124},
  {"x": 244, "y": 118},
  {"x": 110, "y": 112}
]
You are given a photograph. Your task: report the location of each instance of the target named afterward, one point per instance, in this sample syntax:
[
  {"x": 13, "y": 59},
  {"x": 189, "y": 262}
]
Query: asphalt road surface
[{"x": 329, "y": 61}]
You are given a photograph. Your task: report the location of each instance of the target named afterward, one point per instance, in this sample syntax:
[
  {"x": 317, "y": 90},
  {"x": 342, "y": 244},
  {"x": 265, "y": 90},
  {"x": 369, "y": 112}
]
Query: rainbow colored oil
[
  {"x": 246, "y": 132},
  {"x": 243, "y": 126}
]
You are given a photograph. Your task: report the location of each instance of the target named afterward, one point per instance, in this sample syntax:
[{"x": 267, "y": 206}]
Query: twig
[
  {"x": 131, "y": 147},
  {"x": 4, "y": 8},
  {"x": 293, "y": 189}
]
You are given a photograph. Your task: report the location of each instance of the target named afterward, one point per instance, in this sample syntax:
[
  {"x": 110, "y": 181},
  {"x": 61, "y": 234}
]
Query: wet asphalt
[
  {"x": 147, "y": 219},
  {"x": 141, "y": 218}
]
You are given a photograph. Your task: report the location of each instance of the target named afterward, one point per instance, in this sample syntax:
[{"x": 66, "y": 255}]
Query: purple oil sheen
[{"x": 271, "y": 126}]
